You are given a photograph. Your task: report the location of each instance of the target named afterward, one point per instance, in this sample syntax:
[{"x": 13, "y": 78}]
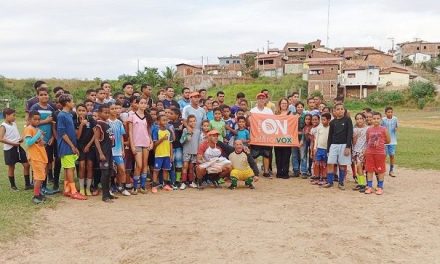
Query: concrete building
[
  {"x": 394, "y": 78},
  {"x": 270, "y": 65},
  {"x": 294, "y": 67},
  {"x": 406, "y": 49},
  {"x": 359, "y": 82},
  {"x": 297, "y": 51},
  {"x": 322, "y": 75},
  {"x": 418, "y": 58},
  {"x": 229, "y": 60}
]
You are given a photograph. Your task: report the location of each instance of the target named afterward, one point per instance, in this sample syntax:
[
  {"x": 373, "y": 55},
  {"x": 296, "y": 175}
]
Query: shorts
[
  {"x": 38, "y": 170},
  {"x": 151, "y": 158},
  {"x": 68, "y": 161},
  {"x": 178, "y": 157},
  {"x": 357, "y": 157},
  {"x": 162, "y": 163},
  {"x": 390, "y": 150},
  {"x": 91, "y": 155},
  {"x": 192, "y": 158},
  {"x": 15, "y": 155},
  {"x": 321, "y": 155},
  {"x": 336, "y": 155},
  {"x": 140, "y": 149},
  {"x": 242, "y": 175},
  {"x": 49, "y": 151},
  {"x": 375, "y": 163},
  {"x": 257, "y": 151},
  {"x": 118, "y": 160}
]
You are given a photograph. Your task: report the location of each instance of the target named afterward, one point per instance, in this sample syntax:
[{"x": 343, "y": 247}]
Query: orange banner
[{"x": 274, "y": 130}]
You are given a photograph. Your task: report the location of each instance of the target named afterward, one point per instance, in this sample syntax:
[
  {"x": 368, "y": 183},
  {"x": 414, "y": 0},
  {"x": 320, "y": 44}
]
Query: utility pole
[
  {"x": 392, "y": 44},
  {"x": 202, "y": 66},
  {"x": 138, "y": 65},
  {"x": 328, "y": 24},
  {"x": 268, "y": 44}
]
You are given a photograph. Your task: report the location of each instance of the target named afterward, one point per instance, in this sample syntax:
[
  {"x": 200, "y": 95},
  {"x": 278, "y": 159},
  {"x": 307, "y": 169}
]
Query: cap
[
  {"x": 213, "y": 132},
  {"x": 261, "y": 94},
  {"x": 193, "y": 94}
]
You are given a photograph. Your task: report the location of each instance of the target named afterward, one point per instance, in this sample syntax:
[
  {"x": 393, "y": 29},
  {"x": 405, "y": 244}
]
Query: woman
[
  {"x": 296, "y": 152},
  {"x": 282, "y": 154}
]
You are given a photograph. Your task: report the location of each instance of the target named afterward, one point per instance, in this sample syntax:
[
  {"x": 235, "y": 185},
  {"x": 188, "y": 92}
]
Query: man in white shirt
[{"x": 260, "y": 107}]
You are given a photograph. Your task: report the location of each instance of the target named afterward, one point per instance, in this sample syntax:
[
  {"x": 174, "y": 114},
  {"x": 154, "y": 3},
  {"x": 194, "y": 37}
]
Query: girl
[
  {"x": 305, "y": 146},
  {"x": 282, "y": 154},
  {"x": 139, "y": 125},
  {"x": 209, "y": 112},
  {"x": 159, "y": 106},
  {"x": 87, "y": 154},
  {"x": 358, "y": 151},
  {"x": 312, "y": 163}
]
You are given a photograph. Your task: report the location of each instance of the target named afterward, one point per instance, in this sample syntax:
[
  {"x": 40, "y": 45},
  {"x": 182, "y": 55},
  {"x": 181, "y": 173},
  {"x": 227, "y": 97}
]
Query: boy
[
  {"x": 377, "y": 138},
  {"x": 390, "y": 123},
  {"x": 163, "y": 153},
  {"x": 320, "y": 148},
  {"x": 190, "y": 139},
  {"x": 13, "y": 152},
  {"x": 90, "y": 105},
  {"x": 67, "y": 151},
  {"x": 176, "y": 122},
  {"x": 100, "y": 98},
  {"x": 340, "y": 138},
  {"x": 218, "y": 123},
  {"x": 34, "y": 139},
  {"x": 104, "y": 142},
  {"x": 229, "y": 124},
  {"x": 118, "y": 153},
  {"x": 241, "y": 171},
  {"x": 242, "y": 132}
]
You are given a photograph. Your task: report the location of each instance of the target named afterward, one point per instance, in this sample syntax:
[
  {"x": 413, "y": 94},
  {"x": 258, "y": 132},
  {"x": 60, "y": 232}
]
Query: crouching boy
[{"x": 241, "y": 170}]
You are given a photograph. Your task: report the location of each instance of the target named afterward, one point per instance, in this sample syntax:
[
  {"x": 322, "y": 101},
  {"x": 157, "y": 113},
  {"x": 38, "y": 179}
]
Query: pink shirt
[
  {"x": 141, "y": 136},
  {"x": 376, "y": 137}
]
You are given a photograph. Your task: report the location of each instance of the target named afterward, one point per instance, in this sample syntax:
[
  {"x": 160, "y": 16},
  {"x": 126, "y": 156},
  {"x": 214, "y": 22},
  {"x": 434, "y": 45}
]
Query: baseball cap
[
  {"x": 194, "y": 94},
  {"x": 261, "y": 94},
  {"x": 213, "y": 132}
]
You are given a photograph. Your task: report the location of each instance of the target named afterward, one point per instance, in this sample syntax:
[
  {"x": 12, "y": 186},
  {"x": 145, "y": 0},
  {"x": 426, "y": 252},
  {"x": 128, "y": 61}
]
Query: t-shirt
[
  {"x": 210, "y": 115},
  {"x": 65, "y": 126},
  {"x": 11, "y": 134},
  {"x": 243, "y": 134},
  {"x": 106, "y": 140},
  {"x": 376, "y": 137},
  {"x": 141, "y": 137},
  {"x": 220, "y": 127},
  {"x": 177, "y": 133},
  {"x": 164, "y": 148},
  {"x": 118, "y": 132},
  {"x": 391, "y": 125},
  {"x": 45, "y": 112},
  {"x": 36, "y": 152},
  {"x": 87, "y": 131},
  {"x": 239, "y": 161},
  {"x": 198, "y": 112},
  {"x": 341, "y": 132},
  {"x": 190, "y": 142},
  {"x": 360, "y": 133},
  {"x": 234, "y": 109},
  {"x": 183, "y": 102},
  {"x": 230, "y": 123},
  {"x": 321, "y": 137},
  {"x": 97, "y": 105},
  {"x": 208, "y": 152},
  {"x": 167, "y": 103},
  {"x": 265, "y": 110}
]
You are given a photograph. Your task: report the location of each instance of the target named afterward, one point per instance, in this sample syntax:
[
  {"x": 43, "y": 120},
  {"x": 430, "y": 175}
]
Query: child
[
  {"x": 118, "y": 153},
  {"x": 104, "y": 141},
  {"x": 377, "y": 138},
  {"x": 218, "y": 124},
  {"x": 163, "y": 153},
  {"x": 190, "y": 140},
  {"x": 390, "y": 123},
  {"x": 241, "y": 171},
  {"x": 359, "y": 146},
  {"x": 100, "y": 98},
  {"x": 340, "y": 138},
  {"x": 313, "y": 132},
  {"x": 242, "y": 132},
  {"x": 67, "y": 151},
  {"x": 139, "y": 125},
  {"x": 229, "y": 124},
  {"x": 89, "y": 106},
  {"x": 205, "y": 129},
  {"x": 305, "y": 146},
  {"x": 86, "y": 147},
  {"x": 320, "y": 148},
  {"x": 33, "y": 137},
  {"x": 209, "y": 112},
  {"x": 13, "y": 152},
  {"x": 177, "y": 124}
]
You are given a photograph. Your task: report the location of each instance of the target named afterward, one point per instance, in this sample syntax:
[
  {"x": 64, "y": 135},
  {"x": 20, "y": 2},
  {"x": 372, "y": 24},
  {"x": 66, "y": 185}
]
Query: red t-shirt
[{"x": 376, "y": 137}]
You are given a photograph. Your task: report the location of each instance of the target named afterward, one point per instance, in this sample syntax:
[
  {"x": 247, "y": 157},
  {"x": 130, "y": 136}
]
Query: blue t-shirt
[
  {"x": 182, "y": 103},
  {"x": 45, "y": 113},
  {"x": 242, "y": 134},
  {"x": 230, "y": 122},
  {"x": 391, "y": 125},
  {"x": 210, "y": 115},
  {"x": 65, "y": 127},
  {"x": 118, "y": 131}
]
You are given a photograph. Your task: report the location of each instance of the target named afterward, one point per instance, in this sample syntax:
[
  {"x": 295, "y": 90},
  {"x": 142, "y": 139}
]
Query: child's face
[
  {"x": 142, "y": 105},
  {"x": 35, "y": 120},
  {"x": 339, "y": 111},
  {"x": 300, "y": 109},
  {"x": 159, "y": 106},
  {"x": 226, "y": 113},
  {"x": 239, "y": 113},
  {"x": 192, "y": 122},
  {"x": 172, "y": 116},
  {"x": 10, "y": 118},
  {"x": 120, "y": 98},
  {"x": 308, "y": 120},
  {"x": 360, "y": 120},
  {"x": 215, "y": 104},
  {"x": 241, "y": 124},
  {"x": 369, "y": 118},
  {"x": 153, "y": 115},
  {"x": 89, "y": 106},
  {"x": 377, "y": 120},
  {"x": 389, "y": 113},
  {"x": 205, "y": 127},
  {"x": 118, "y": 110},
  {"x": 81, "y": 111},
  {"x": 101, "y": 95},
  {"x": 208, "y": 104},
  {"x": 92, "y": 96},
  {"x": 95, "y": 115},
  {"x": 113, "y": 110},
  {"x": 217, "y": 115},
  {"x": 311, "y": 104},
  {"x": 69, "y": 105},
  {"x": 238, "y": 145},
  {"x": 321, "y": 107},
  {"x": 243, "y": 105},
  {"x": 43, "y": 97},
  {"x": 163, "y": 120},
  {"x": 324, "y": 121},
  {"x": 104, "y": 115},
  {"x": 315, "y": 121}
]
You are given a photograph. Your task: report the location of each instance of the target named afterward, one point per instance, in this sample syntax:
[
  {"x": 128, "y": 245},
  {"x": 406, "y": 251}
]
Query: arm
[
  {"x": 32, "y": 140},
  {"x": 97, "y": 136},
  {"x": 130, "y": 137},
  {"x": 69, "y": 142},
  {"x": 349, "y": 132},
  {"x": 330, "y": 137},
  {"x": 387, "y": 137},
  {"x": 5, "y": 141}
]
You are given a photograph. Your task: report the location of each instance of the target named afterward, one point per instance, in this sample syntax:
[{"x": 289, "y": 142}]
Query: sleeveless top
[{"x": 11, "y": 134}]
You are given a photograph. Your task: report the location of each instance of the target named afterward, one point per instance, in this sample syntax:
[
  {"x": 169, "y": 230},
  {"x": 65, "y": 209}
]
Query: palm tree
[{"x": 169, "y": 74}]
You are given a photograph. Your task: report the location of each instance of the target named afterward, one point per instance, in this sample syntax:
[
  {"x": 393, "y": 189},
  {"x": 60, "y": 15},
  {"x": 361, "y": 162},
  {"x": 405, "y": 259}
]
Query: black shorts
[
  {"x": 15, "y": 155},
  {"x": 49, "y": 152},
  {"x": 264, "y": 151},
  {"x": 91, "y": 155}
]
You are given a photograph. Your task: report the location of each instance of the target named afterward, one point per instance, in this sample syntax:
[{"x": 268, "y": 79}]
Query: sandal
[
  {"x": 379, "y": 191},
  {"x": 78, "y": 196},
  {"x": 368, "y": 190}
]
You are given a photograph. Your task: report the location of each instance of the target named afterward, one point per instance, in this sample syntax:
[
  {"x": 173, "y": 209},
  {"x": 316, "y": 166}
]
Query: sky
[{"x": 105, "y": 38}]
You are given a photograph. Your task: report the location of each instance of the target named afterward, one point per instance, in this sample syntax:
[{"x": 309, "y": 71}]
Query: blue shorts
[
  {"x": 118, "y": 160},
  {"x": 390, "y": 150},
  {"x": 162, "y": 163},
  {"x": 178, "y": 157},
  {"x": 321, "y": 155}
]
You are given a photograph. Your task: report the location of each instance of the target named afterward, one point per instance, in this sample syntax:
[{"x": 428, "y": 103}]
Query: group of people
[{"x": 125, "y": 142}]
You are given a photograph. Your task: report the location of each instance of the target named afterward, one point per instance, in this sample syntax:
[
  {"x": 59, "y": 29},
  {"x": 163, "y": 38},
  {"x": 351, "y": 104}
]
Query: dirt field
[{"x": 282, "y": 221}]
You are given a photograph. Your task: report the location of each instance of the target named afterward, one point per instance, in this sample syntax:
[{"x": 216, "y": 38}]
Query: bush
[
  {"x": 316, "y": 93},
  {"x": 422, "y": 90},
  {"x": 421, "y": 102},
  {"x": 255, "y": 74},
  {"x": 383, "y": 98}
]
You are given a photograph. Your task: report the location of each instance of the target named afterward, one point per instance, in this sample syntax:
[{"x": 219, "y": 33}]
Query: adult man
[
  {"x": 264, "y": 151},
  {"x": 203, "y": 94},
  {"x": 108, "y": 92},
  {"x": 194, "y": 109},
  {"x": 293, "y": 99},
  {"x": 318, "y": 101},
  {"x": 127, "y": 87},
  {"x": 269, "y": 103},
  {"x": 169, "y": 98},
  {"x": 146, "y": 91},
  {"x": 221, "y": 97},
  {"x": 238, "y": 99},
  {"x": 184, "y": 101}
]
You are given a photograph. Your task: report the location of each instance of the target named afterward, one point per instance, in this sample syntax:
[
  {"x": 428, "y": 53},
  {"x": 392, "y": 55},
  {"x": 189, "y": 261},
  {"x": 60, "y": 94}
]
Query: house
[
  {"x": 298, "y": 51},
  {"x": 184, "y": 69},
  {"x": 229, "y": 60},
  {"x": 323, "y": 53},
  {"x": 394, "y": 78},
  {"x": 294, "y": 67},
  {"x": 377, "y": 59},
  {"x": 350, "y": 53},
  {"x": 418, "y": 57},
  {"x": 270, "y": 65},
  {"x": 322, "y": 75},
  {"x": 406, "y": 49},
  {"x": 358, "y": 82}
]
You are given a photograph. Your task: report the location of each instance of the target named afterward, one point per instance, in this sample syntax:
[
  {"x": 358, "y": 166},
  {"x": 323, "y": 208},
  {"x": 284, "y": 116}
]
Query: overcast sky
[{"x": 103, "y": 38}]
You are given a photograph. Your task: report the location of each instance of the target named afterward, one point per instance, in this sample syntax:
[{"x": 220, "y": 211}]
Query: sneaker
[
  {"x": 46, "y": 191},
  {"x": 134, "y": 192},
  {"x": 379, "y": 191},
  {"x": 174, "y": 187},
  {"x": 216, "y": 184},
  {"x": 336, "y": 178},
  {"x": 295, "y": 174},
  {"x": 251, "y": 186},
  {"x": 357, "y": 188},
  {"x": 37, "y": 200},
  {"x": 56, "y": 190},
  {"x": 14, "y": 189},
  {"x": 328, "y": 185},
  {"x": 82, "y": 192},
  {"x": 368, "y": 190},
  {"x": 167, "y": 188},
  {"x": 28, "y": 187},
  {"x": 182, "y": 186},
  {"x": 362, "y": 189},
  {"x": 125, "y": 193},
  {"x": 267, "y": 175},
  {"x": 193, "y": 185},
  {"x": 320, "y": 183},
  {"x": 232, "y": 187},
  {"x": 107, "y": 200},
  {"x": 154, "y": 189},
  {"x": 220, "y": 181},
  {"x": 113, "y": 197},
  {"x": 392, "y": 174},
  {"x": 143, "y": 190},
  {"x": 111, "y": 192},
  {"x": 341, "y": 187},
  {"x": 304, "y": 176}
]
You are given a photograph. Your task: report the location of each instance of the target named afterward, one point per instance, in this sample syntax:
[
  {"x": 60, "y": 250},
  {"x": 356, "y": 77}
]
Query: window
[
  {"x": 351, "y": 75},
  {"x": 424, "y": 47},
  {"x": 418, "y": 48},
  {"x": 227, "y": 62},
  {"x": 438, "y": 47},
  {"x": 316, "y": 72}
]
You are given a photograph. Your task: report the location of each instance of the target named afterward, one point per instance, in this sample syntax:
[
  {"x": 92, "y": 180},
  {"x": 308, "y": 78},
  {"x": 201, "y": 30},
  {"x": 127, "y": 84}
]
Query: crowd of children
[{"x": 129, "y": 143}]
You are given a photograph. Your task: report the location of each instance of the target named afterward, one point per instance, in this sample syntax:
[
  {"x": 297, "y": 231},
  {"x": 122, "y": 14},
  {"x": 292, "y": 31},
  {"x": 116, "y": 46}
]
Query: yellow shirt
[
  {"x": 164, "y": 148},
  {"x": 36, "y": 152}
]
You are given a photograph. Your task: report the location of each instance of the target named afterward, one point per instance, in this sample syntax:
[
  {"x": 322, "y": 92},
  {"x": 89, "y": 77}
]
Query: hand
[
  {"x": 87, "y": 149},
  {"x": 50, "y": 142},
  {"x": 20, "y": 141},
  {"x": 41, "y": 142},
  {"x": 102, "y": 157},
  {"x": 84, "y": 122},
  {"x": 347, "y": 152},
  {"x": 75, "y": 150},
  {"x": 246, "y": 149},
  {"x": 133, "y": 149},
  {"x": 49, "y": 119},
  {"x": 256, "y": 178},
  {"x": 151, "y": 146}
]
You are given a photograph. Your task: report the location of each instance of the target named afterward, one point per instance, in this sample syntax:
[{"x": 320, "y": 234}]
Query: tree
[{"x": 406, "y": 62}]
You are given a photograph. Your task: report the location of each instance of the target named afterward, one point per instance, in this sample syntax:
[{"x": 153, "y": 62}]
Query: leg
[
  {"x": 342, "y": 173},
  {"x": 144, "y": 170},
  {"x": 369, "y": 188},
  {"x": 11, "y": 176},
  {"x": 26, "y": 174},
  {"x": 137, "y": 169},
  {"x": 105, "y": 183},
  {"x": 82, "y": 173},
  {"x": 330, "y": 175},
  {"x": 89, "y": 173},
  {"x": 278, "y": 161}
]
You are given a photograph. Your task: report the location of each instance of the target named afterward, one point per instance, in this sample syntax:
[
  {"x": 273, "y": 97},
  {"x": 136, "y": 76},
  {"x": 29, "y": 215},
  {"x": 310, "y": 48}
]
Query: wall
[
  {"x": 207, "y": 81},
  {"x": 398, "y": 80},
  {"x": 293, "y": 68},
  {"x": 362, "y": 77}
]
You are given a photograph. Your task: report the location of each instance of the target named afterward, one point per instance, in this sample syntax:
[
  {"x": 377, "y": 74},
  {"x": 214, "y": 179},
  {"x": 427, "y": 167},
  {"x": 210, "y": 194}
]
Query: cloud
[{"x": 103, "y": 38}]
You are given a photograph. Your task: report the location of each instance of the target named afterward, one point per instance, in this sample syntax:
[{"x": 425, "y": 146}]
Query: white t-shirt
[
  {"x": 11, "y": 134},
  {"x": 265, "y": 110}
]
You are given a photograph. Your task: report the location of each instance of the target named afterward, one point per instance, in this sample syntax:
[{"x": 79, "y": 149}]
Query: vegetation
[
  {"x": 406, "y": 62},
  {"x": 422, "y": 92},
  {"x": 431, "y": 65}
]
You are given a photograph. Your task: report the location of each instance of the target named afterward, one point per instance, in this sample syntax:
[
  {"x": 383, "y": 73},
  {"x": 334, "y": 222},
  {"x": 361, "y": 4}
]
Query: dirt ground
[{"x": 282, "y": 221}]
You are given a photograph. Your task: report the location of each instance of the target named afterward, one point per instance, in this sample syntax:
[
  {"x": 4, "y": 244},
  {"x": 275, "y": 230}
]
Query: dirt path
[{"x": 282, "y": 221}]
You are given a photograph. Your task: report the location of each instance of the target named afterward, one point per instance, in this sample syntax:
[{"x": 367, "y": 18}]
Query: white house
[
  {"x": 417, "y": 58},
  {"x": 394, "y": 78},
  {"x": 359, "y": 81}
]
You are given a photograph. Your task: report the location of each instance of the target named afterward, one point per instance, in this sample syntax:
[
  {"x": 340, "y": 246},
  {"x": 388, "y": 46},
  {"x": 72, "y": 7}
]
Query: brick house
[
  {"x": 408, "y": 48},
  {"x": 296, "y": 51},
  {"x": 322, "y": 75},
  {"x": 184, "y": 69},
  {"x": 350, "y": 53},
  {"x": 270, "y": 65}
]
